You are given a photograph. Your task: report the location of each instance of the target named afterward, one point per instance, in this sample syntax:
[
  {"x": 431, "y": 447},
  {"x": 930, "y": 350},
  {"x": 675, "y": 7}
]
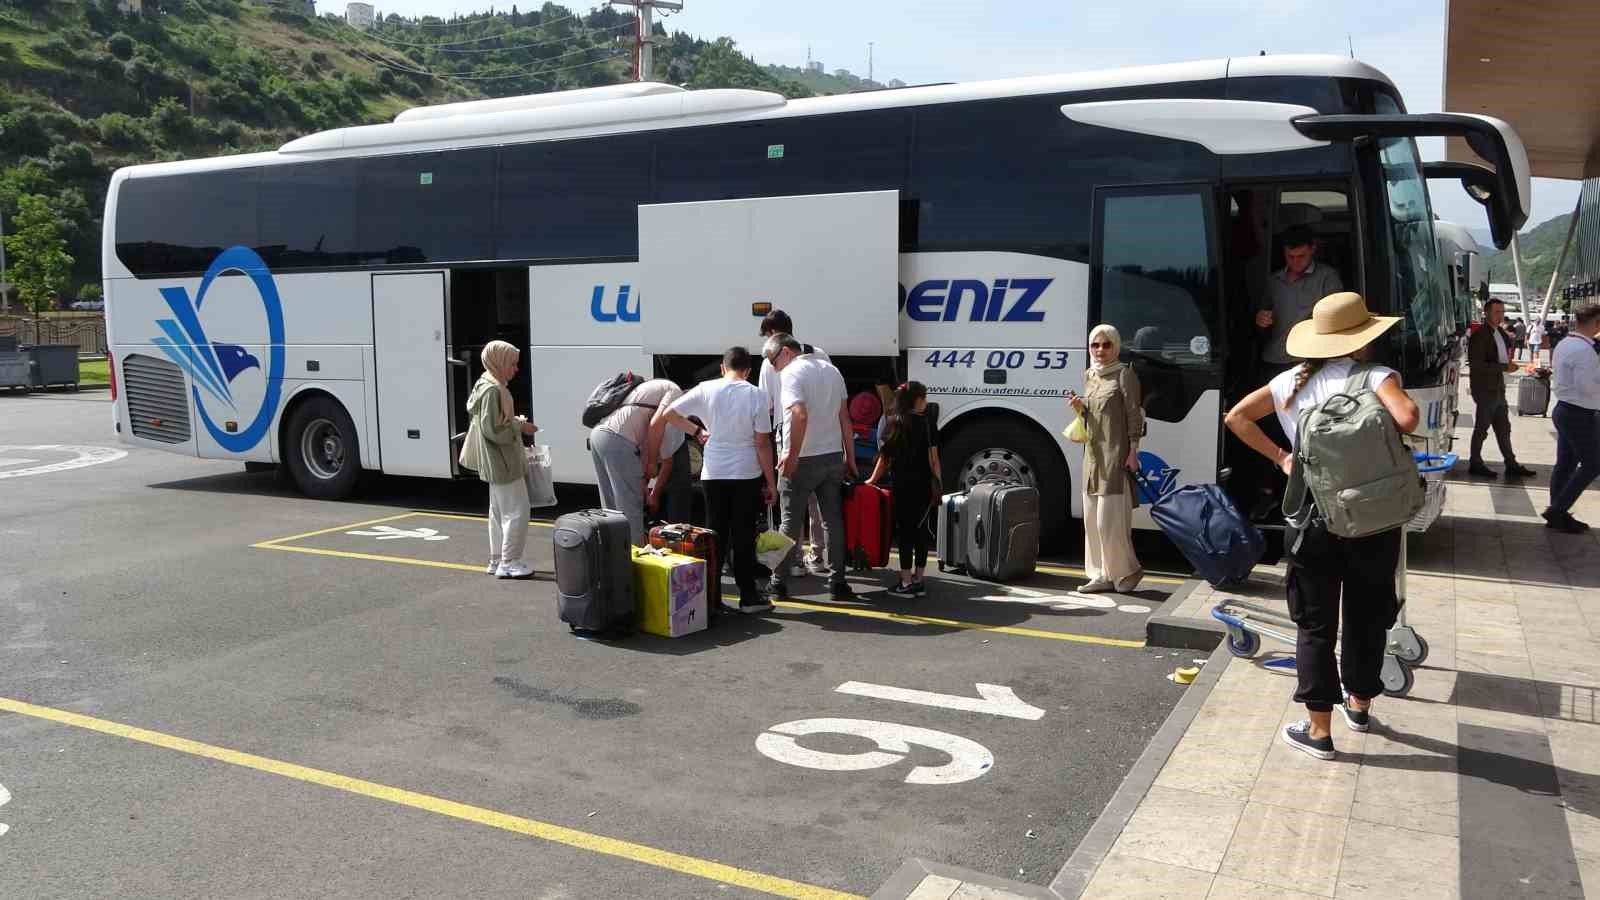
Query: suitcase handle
[{"x": 977, "y": 530}]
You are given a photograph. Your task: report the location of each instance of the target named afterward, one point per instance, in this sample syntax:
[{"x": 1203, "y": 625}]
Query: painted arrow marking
[{"x": 391, "y": 533}]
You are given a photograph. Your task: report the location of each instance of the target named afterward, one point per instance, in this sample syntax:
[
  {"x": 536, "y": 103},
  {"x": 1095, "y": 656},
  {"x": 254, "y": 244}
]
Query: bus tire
[
  {"x": 1005, "y": 445},
  {"x": 321, "y": 449}
]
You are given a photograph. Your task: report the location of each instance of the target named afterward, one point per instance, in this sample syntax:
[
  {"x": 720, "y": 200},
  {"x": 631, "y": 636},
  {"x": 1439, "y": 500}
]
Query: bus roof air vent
[
  {"x": 538, "y": 101},
  {"x": 661, "y": 110}
]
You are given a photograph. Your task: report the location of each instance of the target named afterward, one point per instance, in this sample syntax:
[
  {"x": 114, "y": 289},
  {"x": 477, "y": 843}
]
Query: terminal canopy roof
[{"x": 1534, "y": 64}]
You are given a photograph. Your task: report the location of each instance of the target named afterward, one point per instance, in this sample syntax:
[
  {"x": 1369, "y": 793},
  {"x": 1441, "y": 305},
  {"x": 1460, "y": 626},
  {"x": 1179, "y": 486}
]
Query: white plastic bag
[
  {"x": 541, "y": 482},
  {"x": 777, "y": 544}
]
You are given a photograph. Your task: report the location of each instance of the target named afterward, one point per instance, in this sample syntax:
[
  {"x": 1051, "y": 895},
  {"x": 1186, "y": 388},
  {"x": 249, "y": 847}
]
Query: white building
[
  {"x": 130, "y": 7},
  {"x": 358, "y": 15}
]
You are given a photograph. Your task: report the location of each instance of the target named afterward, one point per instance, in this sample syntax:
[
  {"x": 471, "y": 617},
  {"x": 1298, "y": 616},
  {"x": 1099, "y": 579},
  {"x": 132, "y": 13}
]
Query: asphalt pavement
[{"x": 215, "y": 687}]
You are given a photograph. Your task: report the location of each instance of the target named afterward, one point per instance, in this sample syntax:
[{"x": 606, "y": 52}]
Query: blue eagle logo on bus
[{"x": 213, "y": 366}]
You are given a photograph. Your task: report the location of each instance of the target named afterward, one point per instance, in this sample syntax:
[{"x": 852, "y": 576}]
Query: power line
[
  {"x": 477, "y": 40},
  {"x": 444, "y": 48}
]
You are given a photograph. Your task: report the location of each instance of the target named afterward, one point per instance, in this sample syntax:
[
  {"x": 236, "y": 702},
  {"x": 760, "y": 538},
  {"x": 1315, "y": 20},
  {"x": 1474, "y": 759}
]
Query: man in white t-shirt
[
  {"x": 818, "y": 452},
  {"x": 620, "y": 445},
  {"x": 778, "y": 322},
  {"x": 1535, "y": 338}
]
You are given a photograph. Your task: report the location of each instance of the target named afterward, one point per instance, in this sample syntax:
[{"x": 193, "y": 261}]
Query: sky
[{"x": 919, "y": 41}]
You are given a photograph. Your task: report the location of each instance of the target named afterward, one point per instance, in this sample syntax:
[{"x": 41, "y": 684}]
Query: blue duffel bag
[{"x": 1202, "y": 521}]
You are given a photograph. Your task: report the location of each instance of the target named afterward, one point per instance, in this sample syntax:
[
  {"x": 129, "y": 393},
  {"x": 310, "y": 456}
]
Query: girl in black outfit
[{"x": 910, "y": 450}]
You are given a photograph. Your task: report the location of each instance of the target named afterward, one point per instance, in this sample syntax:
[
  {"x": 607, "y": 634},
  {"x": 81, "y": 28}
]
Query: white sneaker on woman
[
  {"x": 518, "y": 570},
  {"x": 494, "y": 567}
]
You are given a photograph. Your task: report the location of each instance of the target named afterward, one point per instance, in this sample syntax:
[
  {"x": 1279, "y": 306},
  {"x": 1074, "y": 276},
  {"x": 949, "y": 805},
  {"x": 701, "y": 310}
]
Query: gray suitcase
[
  {"x": 1002, "y": 530},
  {"x": 1533, "y": 395},
  {"x": 950, "y": 544},
  {"x": 594, "y": 570}
]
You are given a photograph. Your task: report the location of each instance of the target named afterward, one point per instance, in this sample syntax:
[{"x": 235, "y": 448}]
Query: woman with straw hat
[{"x": 1326, "y": 568}]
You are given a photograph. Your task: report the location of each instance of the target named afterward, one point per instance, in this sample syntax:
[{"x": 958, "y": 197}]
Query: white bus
[{"x": 322, "y": 306}]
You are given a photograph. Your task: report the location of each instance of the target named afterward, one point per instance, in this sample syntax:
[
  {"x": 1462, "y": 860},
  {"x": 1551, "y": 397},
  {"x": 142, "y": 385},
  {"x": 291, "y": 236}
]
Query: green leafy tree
[
  {"x": 121, "y": 46},
  {"x": 37, "y": 254}
]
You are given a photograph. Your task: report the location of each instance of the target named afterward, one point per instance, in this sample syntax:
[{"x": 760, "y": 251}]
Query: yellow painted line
[
  {"x": 374, "y": 557},
  {"x": 956, "y": 623},
  {"x": 557, "y": 834},
  {"x": 311, "y": 534}
]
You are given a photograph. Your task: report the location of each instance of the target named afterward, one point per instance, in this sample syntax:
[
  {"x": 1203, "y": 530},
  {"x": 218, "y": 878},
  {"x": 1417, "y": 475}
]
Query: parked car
[{"x": 89, "y": 305}]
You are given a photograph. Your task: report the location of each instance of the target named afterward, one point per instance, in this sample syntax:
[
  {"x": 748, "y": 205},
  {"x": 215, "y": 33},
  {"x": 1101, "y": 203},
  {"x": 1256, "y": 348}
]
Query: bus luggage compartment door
[
  {"x": 408, "y": 341},
  {"x": 830, "y": 260}
]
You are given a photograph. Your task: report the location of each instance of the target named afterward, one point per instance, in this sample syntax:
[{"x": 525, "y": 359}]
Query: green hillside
[
  {"x": 85, "y": 89},
  {"x": 840, "y": 81},
  {"x": 1540, "y": 248}
]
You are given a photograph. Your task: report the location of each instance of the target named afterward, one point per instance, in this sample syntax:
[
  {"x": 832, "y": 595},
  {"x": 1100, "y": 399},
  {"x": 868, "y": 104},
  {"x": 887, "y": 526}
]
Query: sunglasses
[{"x": 1093, "y": 344}]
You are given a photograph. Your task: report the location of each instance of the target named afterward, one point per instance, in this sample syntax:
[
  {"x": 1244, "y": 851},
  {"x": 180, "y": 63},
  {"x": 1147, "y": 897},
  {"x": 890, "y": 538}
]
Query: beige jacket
[{"x": 1114, "y": 414}]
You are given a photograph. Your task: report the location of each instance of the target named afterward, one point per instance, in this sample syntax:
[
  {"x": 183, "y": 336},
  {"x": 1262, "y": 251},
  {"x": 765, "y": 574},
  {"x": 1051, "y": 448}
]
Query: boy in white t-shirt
[{"x": 1327, "y": 572}]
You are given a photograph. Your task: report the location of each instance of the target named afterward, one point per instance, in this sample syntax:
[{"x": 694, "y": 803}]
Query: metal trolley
[{"x": 1248, "y": 623}]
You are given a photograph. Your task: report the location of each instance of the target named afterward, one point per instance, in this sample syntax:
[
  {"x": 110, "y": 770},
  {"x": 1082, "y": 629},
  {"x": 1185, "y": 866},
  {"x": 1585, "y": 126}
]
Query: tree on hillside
[{"x": 38, "y": 257}]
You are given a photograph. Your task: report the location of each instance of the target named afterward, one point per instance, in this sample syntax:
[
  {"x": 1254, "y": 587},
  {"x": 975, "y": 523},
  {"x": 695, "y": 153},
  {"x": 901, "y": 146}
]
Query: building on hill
[
  {"x": 358, "y": 15},
  {"x": 896, "y": 83},
  {"x": 130, "y": 7},
  {"x": 814, "y": 66},
  {"x": 306, "y": 8}
]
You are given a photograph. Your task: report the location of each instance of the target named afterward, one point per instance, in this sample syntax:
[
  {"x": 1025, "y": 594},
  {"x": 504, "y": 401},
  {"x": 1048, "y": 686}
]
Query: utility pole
[
  {"x": 641, "y": 46},
  {"x": 5, "y": 289},
  {"x": 869, "y": 60}
]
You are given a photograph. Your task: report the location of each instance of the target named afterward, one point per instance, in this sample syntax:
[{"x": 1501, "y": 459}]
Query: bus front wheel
[
  {"x": 321, "y": 449},
  {"x": 1009, "y": 450}
]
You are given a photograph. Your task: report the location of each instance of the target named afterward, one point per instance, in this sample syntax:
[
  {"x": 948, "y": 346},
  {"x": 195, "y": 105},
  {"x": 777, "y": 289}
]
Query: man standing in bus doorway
[
  {"x": 778, "y": 322},
  {"x": 1291, "y": 293},
  {"x": 1489, "y": 358},
  {"x": 818, "y": 453}
]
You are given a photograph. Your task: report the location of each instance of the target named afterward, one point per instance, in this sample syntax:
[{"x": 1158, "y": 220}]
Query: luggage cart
[{"x": 1248, "y": 622}]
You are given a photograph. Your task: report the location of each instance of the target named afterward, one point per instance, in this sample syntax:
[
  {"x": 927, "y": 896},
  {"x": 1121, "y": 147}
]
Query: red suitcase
[
  {"x": 700, "y": 543},
  {"x": 868, "y": 525}
]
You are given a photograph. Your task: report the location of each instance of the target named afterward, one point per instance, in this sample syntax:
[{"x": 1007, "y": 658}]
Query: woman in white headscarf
[
  {"x": 497, "y": 440},
  {"x": 1112, "y": 410}
]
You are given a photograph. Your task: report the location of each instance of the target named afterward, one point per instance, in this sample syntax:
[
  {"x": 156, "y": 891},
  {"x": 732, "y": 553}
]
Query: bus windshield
[{"x": 1419, "y": 288}]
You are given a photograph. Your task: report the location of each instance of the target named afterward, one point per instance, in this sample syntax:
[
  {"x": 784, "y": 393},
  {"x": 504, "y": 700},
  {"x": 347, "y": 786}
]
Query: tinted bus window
[
  {"x": 307, "y": 215},
  {"x": 427, "y": 207},
  {"x": 573, "y": 199},
  {"x": 179, "y": 223}
]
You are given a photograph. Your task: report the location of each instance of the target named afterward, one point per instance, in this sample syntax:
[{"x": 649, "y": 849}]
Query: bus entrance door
[{"x": 408, "y": 342}]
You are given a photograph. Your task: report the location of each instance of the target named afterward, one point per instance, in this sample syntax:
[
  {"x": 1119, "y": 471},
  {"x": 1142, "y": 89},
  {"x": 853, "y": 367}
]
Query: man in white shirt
[
  {"x": 818, "y": 451},
  {"x": 621, "y": 444},
  {"x": 778, "y": 322},
  {"x": 1577, "y": 390},
  {"x": 1535, "y": 338},
  {"x": 1489, "y": 359}
]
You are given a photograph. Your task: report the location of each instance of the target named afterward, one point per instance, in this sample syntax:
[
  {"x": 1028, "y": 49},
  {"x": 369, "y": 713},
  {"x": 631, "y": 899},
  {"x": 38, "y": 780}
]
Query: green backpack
[{"x": 1351, "y": 461}]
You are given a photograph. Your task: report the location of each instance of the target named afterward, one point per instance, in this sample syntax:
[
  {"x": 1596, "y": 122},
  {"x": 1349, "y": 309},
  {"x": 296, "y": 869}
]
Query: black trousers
[
  {"x": 1577, "y": 454},
  {"x": 1496, "y": 413},
  {"x": 911, "y": 502},
  {"x": 731, "y": 505},
  {"x": 1328, "y": 572}
]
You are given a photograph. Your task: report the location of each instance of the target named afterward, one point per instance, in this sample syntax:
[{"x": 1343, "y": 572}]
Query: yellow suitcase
[{"x": 670, "y": 590}]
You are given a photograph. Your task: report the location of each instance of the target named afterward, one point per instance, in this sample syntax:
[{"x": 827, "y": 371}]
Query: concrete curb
[
  {"x": 903, "y": 884},
  {"x": 1070, "y": 882},
  {"x": 1183, "y": 632}
]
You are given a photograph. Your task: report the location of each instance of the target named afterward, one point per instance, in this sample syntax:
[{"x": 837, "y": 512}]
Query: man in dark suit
[{"x": 1490, "y": 357}]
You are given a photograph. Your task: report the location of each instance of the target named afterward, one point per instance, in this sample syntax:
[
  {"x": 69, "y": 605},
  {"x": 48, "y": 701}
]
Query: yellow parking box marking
[
  {"x": 956, "y": 623},
  {"x": 374, "y": 557},
  {"x": 322, "y": 531},
  {"x": 557, "y": 834}
]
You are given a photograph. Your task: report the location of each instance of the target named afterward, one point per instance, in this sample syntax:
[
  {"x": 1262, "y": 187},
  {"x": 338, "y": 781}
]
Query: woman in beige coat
[
  {"x": 499, "y": 460},
  {"x": 1112, "y": 411}
]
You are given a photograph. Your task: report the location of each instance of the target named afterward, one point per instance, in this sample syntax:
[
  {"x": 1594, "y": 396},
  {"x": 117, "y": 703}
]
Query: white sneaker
[
  {"x": 517, "y": 570},
  {"x": 494, "y": 567}
]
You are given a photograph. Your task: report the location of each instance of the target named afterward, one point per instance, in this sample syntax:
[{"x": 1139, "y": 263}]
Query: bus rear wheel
[
  {"x": 321, "y": 449},
  {"x": 1011, "y": 451}
]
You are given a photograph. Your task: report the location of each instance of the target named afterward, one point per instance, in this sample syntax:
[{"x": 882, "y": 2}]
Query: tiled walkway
[{"x": 1484, "y": 782}]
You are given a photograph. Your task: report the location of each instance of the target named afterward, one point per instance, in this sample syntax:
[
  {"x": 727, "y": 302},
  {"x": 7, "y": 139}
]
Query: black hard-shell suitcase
[
  {"x": 950, "y": 542},
  {"x": 1533, "y": 395},
  {"x": 1002, "y": 530},
  {"x": 594, "y": 570}
]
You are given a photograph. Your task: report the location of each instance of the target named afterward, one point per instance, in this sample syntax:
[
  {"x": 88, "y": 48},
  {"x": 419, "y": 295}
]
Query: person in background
[
  {"x": 1326, "y": 569},
  {"x": 909, "y": 450},
  {"x": 1489, "y": 359},
  {"x": 884, "y": 387},
  {"x": 1113, "y": 413},
  {"x": 778, "y": 322},
  {"x": 1519, "y": 334},
  {"x": 1535, "y": 338},
  {"x": 501, "y": 462},
  {"x": 625, "y": 461},
  {"x": 737, "y": 470},
  {"x": 1291, "y": 293},
  {"x": 1577, "y": 390},
  {"x": 818, "y": 452}
]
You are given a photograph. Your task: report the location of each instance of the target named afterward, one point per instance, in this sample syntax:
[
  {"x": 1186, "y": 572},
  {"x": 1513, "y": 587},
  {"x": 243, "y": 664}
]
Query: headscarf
[
  {"x": 498, "y": 356},
  {"x": 1109, "y": 332}
]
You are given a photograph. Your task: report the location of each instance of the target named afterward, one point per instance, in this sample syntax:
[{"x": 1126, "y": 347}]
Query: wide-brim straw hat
[{"x": 1340, "y": 324}]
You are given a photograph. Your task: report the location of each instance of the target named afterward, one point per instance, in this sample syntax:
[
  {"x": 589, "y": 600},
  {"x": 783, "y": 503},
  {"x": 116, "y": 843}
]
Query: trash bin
[
  {"x": 54, "y": 364},
  {"x": 14, "y": 369},
  {"x": 8, "y": 343}
]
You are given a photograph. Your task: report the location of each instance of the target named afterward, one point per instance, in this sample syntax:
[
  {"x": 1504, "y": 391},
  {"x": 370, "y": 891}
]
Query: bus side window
[{"x": 1155, "y": 279}]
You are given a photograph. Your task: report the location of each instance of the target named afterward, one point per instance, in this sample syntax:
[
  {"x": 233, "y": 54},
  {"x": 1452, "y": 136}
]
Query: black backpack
[{"x": 608, "y": 397}]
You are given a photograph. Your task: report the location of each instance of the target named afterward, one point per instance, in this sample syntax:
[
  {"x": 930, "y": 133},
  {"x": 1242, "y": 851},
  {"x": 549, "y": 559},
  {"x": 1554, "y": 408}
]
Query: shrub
[
  {"x": 7, "y": 51},
  {"x": 120, "y": 45},
  {"x": 124, "y": 132}
]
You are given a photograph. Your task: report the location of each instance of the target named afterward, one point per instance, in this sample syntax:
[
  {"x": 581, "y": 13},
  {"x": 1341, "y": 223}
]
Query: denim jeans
[{"x": 821, "y": 475}]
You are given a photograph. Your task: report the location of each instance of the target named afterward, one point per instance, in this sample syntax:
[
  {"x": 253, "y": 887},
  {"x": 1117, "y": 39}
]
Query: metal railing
[{"x": 85, "y": 331}]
